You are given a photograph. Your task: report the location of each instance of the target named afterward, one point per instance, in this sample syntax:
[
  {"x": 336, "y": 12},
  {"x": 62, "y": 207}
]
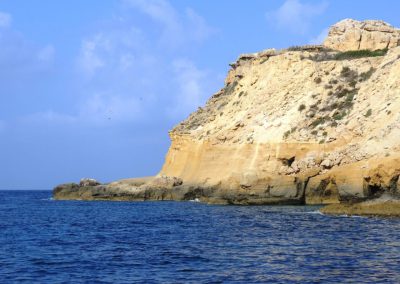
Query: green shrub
[
  {"x": 333, "y": 106},
  {"x": 368, "y": 113},
  {"x": 349, "y": 74},
  {"x": 347, "y": 104},
  {"x": 302, "y": 107},
  {"x": 350, "y": 97},
  {"x": 314, "y": 132},
  {"x": 318, "y": 121},
  {"x": 222, "y": 105},
  {"x": 342, "y": 93},
  {"x": 353, "y": 83},
  {"x": 366, "y": 75},
  {"x": 228, "y": 90},
  {"x": 317, "y": 80},
  {"x": 339, "y": 115},
  {"x": 330, "y": 107},
  {"x": 295, "y": 48},
  {"x": 353, "y": 54},
  {"x": 286, "y": 134},
  {"x": 334, "y": 123},
  {"x": 344, "y": 70}
]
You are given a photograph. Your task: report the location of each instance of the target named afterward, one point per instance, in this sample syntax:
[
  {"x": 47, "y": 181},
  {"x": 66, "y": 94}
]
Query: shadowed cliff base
[{"x": 312, "y": 124}]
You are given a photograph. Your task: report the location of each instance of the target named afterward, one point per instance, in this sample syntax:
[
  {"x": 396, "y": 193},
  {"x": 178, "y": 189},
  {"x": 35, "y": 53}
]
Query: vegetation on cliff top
[{"x": 353, "y": 54}]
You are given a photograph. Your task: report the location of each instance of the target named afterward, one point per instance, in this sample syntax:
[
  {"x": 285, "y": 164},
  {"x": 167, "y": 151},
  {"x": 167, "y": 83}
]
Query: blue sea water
[{"x": 47, "y": 241}]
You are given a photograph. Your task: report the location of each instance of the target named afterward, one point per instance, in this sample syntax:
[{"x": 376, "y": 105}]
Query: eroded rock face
[{"x": 350, "y": 34}]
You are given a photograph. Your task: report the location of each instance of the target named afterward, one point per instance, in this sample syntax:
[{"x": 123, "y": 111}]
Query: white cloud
[
  {"x": 126, "y": 61},
  {"x": 89, "y": 61},
  {"x": 113, "y": 48},
  {"x": 48, "y": 117},
  {"x": 96, "y": 110},
  {"x": 158, "y": 10},
  {"x": 5, "y": 20},
  {"x": 46, "y": 54},
  {"x": 192, "y": 88},
  {"x": 132, "y": 76},
  {"x": 319, "y": 39},
  {"x": 198, "y": 27},
  {"x": 296, "y": 16},
  {"x": 20, "y": 56},
  {"x": 177, "y": 29},
  {"x": 106, "y": 109}
]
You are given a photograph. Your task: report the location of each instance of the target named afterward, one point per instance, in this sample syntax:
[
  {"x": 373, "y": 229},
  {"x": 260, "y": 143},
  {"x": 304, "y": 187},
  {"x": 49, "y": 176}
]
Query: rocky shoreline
[
  {"x": 384, "y": 203},
  {"x": 389, "y": 206}
]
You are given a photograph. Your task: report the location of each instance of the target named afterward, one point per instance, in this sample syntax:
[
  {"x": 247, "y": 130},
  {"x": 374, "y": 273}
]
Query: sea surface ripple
[{"x": 47, "y": 241}]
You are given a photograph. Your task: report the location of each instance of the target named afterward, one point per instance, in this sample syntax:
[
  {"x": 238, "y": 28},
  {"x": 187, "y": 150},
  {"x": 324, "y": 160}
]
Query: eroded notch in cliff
[
  {"x": 372, "y": 189},
  {"x": 287, "y": 161}
]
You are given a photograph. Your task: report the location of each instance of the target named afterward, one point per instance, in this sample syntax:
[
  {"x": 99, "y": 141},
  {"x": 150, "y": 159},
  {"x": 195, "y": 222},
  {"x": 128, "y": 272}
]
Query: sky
[{"x": 91, "y": 88}]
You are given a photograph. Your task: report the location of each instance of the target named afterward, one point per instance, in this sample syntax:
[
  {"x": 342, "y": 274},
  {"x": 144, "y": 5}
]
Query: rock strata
[{"x": 303, "y": 125}]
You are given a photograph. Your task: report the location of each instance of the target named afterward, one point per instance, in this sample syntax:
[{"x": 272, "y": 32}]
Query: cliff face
[
  {"x": 311, "y": 124},
  {"x": 306, "y": 122}
]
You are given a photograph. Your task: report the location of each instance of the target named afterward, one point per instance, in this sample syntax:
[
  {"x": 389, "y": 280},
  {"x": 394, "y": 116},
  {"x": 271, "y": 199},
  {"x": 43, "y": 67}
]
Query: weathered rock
[
  {"x": 382, "y": 207},
  {"x": 350, "y": 34},
  {"x": 88, "y": 182},
  {"x": 166, "y": 182},
  {"x": 322, "y": 190}
]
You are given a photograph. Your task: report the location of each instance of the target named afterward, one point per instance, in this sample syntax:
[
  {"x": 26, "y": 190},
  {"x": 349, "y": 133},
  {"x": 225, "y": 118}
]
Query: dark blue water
[{"x": 46, "y": 241}]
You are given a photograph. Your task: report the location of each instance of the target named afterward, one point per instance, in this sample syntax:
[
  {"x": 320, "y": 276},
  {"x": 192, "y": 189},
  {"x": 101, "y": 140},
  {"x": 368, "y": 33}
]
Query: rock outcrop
[
  {"x": 349, "y": 34},
  {"x": 301, "y": 125}
]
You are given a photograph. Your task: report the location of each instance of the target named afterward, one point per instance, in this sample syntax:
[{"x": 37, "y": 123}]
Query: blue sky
[{"x": 91, "y": 88}]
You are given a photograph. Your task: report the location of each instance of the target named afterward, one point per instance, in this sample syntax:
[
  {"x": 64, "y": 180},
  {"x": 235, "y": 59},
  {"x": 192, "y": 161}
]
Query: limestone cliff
[{"x": 311, "y": 124}]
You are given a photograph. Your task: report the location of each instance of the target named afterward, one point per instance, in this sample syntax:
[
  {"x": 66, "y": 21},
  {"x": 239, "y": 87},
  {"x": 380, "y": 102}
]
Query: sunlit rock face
[
  {"x": 298, "y": 124},
  {"x": 355, "y": 35}
]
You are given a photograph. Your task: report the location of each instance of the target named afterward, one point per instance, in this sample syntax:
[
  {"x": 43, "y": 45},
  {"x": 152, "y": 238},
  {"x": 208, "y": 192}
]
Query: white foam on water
[
  {"x": 352, "y": 216},
  {"x": 195, "y": 200},
  {"x": 315, "y": 212},
  {"x": 47, "y": 199}
]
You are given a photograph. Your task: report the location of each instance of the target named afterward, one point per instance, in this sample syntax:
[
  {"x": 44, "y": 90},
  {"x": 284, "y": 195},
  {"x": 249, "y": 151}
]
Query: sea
[{"x": 47, "y": 241}]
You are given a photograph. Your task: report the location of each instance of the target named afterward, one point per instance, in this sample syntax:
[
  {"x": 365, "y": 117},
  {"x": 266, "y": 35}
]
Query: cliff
[{"x": 308, "y": 124}]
